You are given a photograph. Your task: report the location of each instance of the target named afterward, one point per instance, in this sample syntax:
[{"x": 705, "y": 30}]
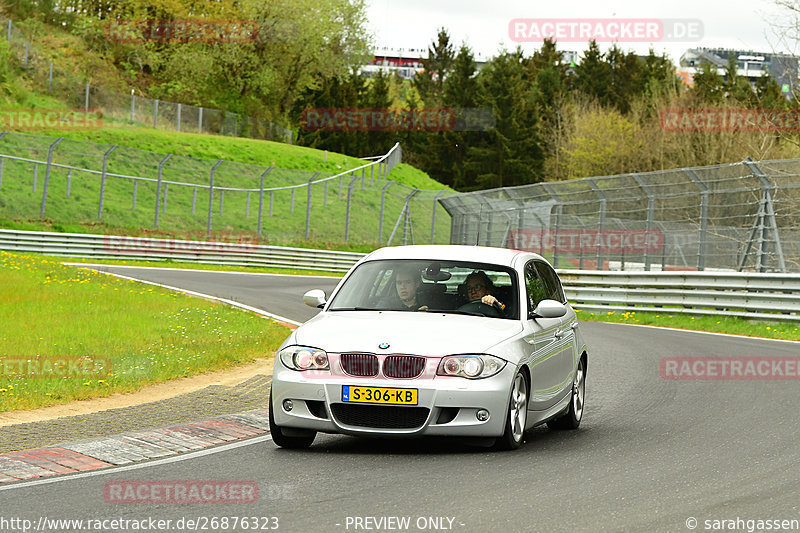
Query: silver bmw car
[{"x": 462, "y": 341}]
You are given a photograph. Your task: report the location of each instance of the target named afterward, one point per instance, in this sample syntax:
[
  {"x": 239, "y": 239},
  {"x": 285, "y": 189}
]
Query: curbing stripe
[{"x": 135, "y": 447}]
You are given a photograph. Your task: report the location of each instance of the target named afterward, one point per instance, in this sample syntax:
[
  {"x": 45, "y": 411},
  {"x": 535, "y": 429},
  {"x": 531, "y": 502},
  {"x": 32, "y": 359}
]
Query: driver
[{"x": 480, "y": 287}]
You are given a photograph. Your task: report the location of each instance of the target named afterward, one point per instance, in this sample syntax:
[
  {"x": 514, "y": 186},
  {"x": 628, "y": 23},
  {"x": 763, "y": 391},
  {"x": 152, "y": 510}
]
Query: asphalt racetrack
[{"x": 651, "y": 454}]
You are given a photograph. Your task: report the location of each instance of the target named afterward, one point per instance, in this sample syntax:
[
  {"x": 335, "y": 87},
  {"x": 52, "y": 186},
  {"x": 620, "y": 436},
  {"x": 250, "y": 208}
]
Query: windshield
[{"x": 433, "y": 286}]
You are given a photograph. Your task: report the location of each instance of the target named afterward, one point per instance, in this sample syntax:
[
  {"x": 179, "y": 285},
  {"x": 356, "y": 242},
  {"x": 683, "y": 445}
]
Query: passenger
[{"x": 407, "y": 283}]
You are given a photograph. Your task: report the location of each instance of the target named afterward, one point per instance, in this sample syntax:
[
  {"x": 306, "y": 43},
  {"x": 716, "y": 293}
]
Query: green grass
[
  {"x": 198, "y": 266},
  {"x": 718, "y": 324},
  {"x": 148, "y": 334},
  {"x": 78, "y": 212}
]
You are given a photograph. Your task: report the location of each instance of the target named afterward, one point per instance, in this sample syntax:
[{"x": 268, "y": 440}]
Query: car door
[{"x": 550, "y": 341}]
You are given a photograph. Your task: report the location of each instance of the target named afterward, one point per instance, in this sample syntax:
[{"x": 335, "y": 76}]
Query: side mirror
[
  {"x": 314, "y": 298},
  {"x": 549, "y": 309}
]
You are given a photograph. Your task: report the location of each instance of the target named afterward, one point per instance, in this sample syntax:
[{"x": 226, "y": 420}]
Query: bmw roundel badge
[{"x": 383, "y": 345}]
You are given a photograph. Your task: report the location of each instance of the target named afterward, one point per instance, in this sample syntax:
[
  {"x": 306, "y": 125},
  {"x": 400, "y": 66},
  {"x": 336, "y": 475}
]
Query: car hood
[{"x": 420, "y": 333}]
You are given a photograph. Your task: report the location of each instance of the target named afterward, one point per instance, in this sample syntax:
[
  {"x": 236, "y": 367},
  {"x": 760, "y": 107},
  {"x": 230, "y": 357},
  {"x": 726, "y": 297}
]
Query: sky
[{"x": 484, "y": 24}]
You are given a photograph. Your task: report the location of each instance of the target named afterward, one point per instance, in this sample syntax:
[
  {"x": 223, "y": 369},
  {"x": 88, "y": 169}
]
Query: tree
[
  {"x": 709, "y": 87},
  {"x": 430, "y": 83},
  {"x": 593, "y": 74}
]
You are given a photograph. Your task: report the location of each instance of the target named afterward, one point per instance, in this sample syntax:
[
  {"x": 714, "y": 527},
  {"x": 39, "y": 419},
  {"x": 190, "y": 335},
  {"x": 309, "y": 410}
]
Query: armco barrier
[
  {"x": 745, "y": 294},
  {"x": 148, "y": 249}
]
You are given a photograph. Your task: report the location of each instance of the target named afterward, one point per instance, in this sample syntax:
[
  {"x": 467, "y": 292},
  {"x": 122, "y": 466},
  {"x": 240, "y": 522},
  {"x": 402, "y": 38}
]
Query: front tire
[
  {"x": 573, "y": 416},
  {"x": 517, "y": 415},
  {"x": 280, "y": 438}
]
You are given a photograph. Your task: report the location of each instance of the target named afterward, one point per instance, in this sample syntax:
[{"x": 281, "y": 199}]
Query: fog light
[
  {"x": 287, "y": 405},
  {"x": 482, "y": 415}
]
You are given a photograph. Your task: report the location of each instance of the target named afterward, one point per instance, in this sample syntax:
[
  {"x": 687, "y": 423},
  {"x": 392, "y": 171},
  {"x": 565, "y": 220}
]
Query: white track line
[
  {"x": 692, "y": 331},
  {"x": 209, "y": 297},
  {"x": 202, "y": 270}
]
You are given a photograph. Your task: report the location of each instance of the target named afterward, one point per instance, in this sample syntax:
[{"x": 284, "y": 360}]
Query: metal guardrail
[
  {"x": 743, "y": 294},
  {"x": 180, "y": 251}
]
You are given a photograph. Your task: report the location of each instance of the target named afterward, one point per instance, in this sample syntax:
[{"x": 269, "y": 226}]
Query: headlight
[
  {"x": 304, "y": 358},
  {"x": 470, "y": 366}
]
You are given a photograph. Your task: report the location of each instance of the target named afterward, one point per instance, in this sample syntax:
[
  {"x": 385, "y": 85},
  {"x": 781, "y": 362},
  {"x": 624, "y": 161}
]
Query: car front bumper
[{"x": 452, "y": 404}]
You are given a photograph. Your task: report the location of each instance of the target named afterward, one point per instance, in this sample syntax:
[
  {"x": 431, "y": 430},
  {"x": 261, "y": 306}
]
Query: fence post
[
  {"x": 211, "y": 196},
  {"x": 69, "y": 182},
  {"x": 194, "y": 199},
  {"x": 261, "y": 200},
  {"x": 553, "y": 194},
  {"x": 340, "y": 187},
  {"x": 602, "y": 223},
  {"x": 86, "y": 99},
  {"x": 701, "y": 245},
  {"x": 158, "y": 187},
  {"x": 2, "y": 159},
  {"x": 308, "y": 203},
  {"x": 103, "y": 181},
  {"x": 26, "y": 53},
  {"x": 347, "y": 213},
  {"x": 9, "y": 31},
  {"x": 155, "y": 113},
  {"x": 178, "y": 118},
  {"x": 135, "y": 187},
  {"x": 291, "y": 205},
  {"x": 50, "y": 78},
  {"x": 133, "y": 99},
  {"x": 199, "y": 121},
  {"x": 47, "y": 174},
  {"x": 383, "y": 204},
  {"x": 371, "y": 174},
  {"x": 765, "y": 221},
  {"x": 166, "y": 189},
  {"x": 433, "y": 216},
  {"x": 405, "y": 217},
  {"x": 651, "y": 206},
  {"x": 363, "y": 175}
]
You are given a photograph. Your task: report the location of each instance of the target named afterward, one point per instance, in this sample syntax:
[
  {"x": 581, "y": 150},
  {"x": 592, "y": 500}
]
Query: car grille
[
  {"x": 360, "y": 364},
  {"x": 403, "y": 366},
  {"x": 380, "y": 416}
]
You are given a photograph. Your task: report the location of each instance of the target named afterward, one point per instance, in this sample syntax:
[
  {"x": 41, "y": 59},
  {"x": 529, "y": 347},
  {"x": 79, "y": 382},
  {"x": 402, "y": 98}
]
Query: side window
[
  {"x": 552, "y": 285},
  {"x": 533, "y": 287}
]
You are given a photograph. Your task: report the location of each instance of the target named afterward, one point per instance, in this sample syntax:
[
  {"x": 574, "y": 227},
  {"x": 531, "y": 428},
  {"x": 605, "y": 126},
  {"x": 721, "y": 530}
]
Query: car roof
[{"x": 449, "y": 252}]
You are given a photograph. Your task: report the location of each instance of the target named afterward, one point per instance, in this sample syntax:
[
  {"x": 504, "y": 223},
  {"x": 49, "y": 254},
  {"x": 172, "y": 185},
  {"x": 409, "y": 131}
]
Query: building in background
[{"x": 783, "y": 68}]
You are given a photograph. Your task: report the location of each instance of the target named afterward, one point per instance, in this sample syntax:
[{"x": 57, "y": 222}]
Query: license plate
[{"x": 379, "y": 395}]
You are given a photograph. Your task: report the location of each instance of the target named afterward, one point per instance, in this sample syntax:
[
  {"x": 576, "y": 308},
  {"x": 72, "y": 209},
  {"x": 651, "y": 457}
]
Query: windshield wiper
[{"x": 356, "y": 309}]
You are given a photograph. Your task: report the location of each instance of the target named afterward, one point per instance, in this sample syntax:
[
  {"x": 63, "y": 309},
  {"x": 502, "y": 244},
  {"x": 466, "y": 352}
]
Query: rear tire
[
  {"x": 573, "y": 416},
  {"x": 516, "y": 416},
  {"x": 280, "y": 438}
]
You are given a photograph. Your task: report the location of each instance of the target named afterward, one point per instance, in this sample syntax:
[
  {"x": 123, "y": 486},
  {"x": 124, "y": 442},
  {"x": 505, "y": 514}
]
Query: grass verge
[
  {"x": 72, "y": 334},
  {"x": 716, "y": 324}
]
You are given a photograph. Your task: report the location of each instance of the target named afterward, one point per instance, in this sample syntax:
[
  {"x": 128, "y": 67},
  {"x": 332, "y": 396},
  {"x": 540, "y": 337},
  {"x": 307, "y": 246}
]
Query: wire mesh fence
[
  {"x": 48, "y": 75},
  {"x": 743, "y": 216},
  {"x": 81, "y": 182}
]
